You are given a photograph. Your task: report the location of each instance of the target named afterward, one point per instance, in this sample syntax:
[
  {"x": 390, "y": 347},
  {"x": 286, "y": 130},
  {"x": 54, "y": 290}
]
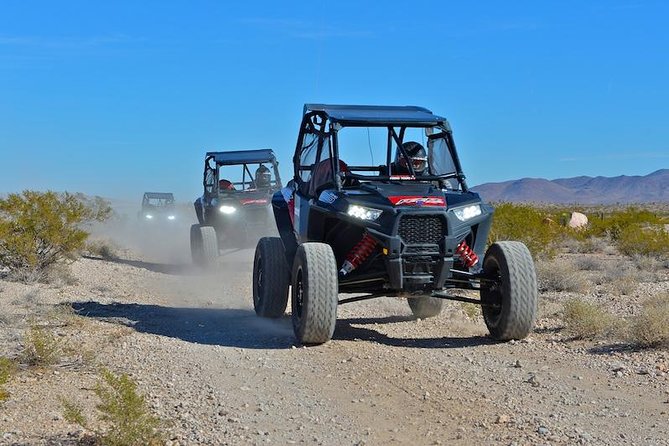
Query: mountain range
[{"x": 651, "y": 188}]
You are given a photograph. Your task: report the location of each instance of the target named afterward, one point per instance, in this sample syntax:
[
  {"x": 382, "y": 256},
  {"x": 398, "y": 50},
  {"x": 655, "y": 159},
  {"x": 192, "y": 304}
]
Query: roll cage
[
  {"x": 215, "y": 160},
  {"x": 157, "y": 199},
  {"x": 318, "y": 142}
]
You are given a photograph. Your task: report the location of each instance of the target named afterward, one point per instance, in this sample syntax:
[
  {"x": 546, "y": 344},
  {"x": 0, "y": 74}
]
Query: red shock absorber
[
  {"x": 468, "y": 257},
  {"x": 358, "y": 254}
]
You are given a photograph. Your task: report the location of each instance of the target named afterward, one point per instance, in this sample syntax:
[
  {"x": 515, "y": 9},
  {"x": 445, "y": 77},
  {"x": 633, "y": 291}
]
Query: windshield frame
[{"x": 396, "y": 135}]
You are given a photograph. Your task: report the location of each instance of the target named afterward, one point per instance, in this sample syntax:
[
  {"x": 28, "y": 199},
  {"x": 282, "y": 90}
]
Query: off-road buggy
[
  {"x": 236, "y": 205},
  {"x": 157, "y": 207},
  {"x": 408, "y": 227}
]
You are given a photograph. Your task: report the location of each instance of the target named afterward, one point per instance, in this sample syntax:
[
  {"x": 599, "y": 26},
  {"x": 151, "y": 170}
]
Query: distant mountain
[{"x": 653, "y": 187}]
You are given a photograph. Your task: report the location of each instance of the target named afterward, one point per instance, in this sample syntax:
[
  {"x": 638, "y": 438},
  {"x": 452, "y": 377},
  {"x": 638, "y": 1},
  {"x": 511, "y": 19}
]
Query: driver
[
  {"x": 263, "y": 177},
  {"x": 417, "y": 157}
]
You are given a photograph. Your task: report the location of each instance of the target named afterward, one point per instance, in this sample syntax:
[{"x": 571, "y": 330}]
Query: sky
[{"x": 117, "y": 98}]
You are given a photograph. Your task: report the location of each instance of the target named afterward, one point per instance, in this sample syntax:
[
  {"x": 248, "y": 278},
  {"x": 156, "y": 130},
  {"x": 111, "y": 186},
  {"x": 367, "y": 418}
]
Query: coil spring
[
  {"x": 468, "y": 257},
  {"x": 358, "y": 254}
]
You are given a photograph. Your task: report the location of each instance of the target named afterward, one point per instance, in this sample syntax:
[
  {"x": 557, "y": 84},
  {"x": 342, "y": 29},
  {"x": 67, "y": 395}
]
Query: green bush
[
  {"x": 129, "y": 421},
  {"x": 613, "y": 224},
  {"x": 645, "y": 241},
  {"x": 527, "y": 224},
  {"x": 7, "y": 369},
  {"x": 38, "y": 229}
]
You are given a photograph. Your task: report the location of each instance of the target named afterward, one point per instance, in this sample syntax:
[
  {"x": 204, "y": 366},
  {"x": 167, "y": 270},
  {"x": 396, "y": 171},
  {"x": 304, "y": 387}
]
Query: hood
[{"x": 423, "y": 195}]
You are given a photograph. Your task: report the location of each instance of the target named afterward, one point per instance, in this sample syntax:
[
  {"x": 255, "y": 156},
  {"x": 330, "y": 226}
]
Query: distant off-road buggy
[
  {"x": 236, "y": 204},
  {"x": 157, "y": 207},
  {"x": 408, "y": 227}
]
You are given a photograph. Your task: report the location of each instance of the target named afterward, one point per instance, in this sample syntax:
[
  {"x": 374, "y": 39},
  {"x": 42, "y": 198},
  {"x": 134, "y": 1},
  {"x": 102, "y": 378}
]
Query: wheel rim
[
  {"x": 259, "y": 283},
  {"x": 493, "y": 294},
  {"x": 299, "y": 294}
]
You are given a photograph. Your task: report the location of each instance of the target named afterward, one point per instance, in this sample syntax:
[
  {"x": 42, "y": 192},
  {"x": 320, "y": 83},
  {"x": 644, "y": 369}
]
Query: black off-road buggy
[
  {"x": 236, "y": 205},
  {"x": 408, "y": 227},
  {"x": 157, "y": 207}
]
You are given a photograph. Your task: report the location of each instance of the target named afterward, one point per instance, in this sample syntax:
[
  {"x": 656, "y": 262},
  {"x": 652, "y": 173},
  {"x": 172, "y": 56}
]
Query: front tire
[
  {"x": 271, "y": 278},
  {"x": 425, "y": 306},
  {"x": 314, "y": 293},
  {"x": 203, "y": 245},
  {"x": 509, "y": 294}
]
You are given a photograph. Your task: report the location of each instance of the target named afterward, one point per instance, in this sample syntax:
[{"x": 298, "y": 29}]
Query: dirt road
[{"x": 217, "y": 374}]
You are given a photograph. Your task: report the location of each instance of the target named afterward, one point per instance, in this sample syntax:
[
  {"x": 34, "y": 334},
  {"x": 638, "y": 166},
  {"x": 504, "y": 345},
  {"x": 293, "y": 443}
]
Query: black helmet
[
  {"x": 263, "y": 177},
  {"x": 417, "y": 156}
]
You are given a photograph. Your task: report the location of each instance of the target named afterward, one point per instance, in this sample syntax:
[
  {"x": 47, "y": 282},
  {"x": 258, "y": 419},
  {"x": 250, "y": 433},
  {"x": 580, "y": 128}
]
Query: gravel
[{"x": 217, "y": 374}]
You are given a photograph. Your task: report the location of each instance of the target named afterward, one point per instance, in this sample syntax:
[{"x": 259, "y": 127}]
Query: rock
[
  {"x": 502, "y": 419},
  {"x": 543, "y": 430},
  {"x": 577, "y": 220}
]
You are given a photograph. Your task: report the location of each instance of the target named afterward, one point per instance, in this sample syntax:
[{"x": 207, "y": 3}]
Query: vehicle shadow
[
  {"x": 173, "y": 269},
  {"x": 243, "y": 329},
  {"x": 350, "y": 330},
  {"x": 209, "y": 326}
]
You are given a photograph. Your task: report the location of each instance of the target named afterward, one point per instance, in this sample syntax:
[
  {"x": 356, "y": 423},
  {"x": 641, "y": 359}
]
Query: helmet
[
  {"x": 417, "y": 156},
  {"x": 263, "y": 177},
  {"x": 225, "y": 185}
]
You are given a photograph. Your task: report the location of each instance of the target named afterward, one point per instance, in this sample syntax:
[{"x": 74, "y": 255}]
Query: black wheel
[
  {"x": 314, "y": 293},
  {"x": 509, "y": 292},
  {"x": 271, "y": 278},
  {"x": 203, "y": 245},
  {"x": 425, "y": 306}
]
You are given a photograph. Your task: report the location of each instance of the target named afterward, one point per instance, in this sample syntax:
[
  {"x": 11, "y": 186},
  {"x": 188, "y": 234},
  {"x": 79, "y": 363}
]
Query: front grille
[{"x": 421, "y": 229}]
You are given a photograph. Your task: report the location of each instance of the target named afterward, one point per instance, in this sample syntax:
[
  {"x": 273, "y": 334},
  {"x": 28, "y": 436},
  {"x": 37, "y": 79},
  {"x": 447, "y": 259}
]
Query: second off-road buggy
[
  {"x": 157, "y": 207},
  {"x": 236, "y": 204},
  {"x": 407, "y": 227}
]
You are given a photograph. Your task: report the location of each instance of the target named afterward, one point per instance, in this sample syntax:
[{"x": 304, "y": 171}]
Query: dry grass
[
  {"x": 41, "y": 348},
  {"x": 586, "y": 320},
  {"x": 588, "y": 263},
  {"x": 560, "y": 276},
  {"x": 624, "y": 285},
  {"x": 472, "y": 311},
  {"x": 7, "y": 369},
  {"x": 651, "y": 327}
]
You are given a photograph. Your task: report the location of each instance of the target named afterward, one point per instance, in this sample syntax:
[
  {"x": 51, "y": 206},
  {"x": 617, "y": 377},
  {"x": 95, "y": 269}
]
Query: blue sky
[{"x": 115, "y": 98}]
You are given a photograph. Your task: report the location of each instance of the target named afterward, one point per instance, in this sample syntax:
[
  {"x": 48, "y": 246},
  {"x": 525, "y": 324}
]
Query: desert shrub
[
  {"x": 555, "y": 276},
  {"x": 39, "y": 229},
  {"x": 102, "y": 248},
  {"x": 7, "y": 369},
  {"x": 585, "y": 320},
  {"x": 472, "y": 311},
  {"x": 614, "y": 223},
  {"x": 129, "y": 422},
  {"x": 527, "y": 224},
  {"x": 40, "y": 347},
  {"x": 646, "y": 241},
  {"x": 587, "y": 263},
  {"x": 624, "y": 285},
  {"x": 650, "y": 328},
  {"x": 74, "y": 413}
]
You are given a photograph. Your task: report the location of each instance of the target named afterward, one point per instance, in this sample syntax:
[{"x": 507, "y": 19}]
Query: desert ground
[{"x": 214, "y": 373}]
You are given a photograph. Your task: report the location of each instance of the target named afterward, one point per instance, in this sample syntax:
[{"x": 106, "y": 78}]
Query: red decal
[
  {"x": 254, "y": 201},
  {"x": 411, "y": 200}
]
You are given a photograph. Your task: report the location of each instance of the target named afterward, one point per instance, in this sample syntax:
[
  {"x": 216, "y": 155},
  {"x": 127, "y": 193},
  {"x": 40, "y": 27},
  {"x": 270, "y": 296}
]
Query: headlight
[
  {"x": 363, "y": 213},
  {"x": 148, "y": 216},
  {"x": 466, "y": 212},
  {"x": 171, "y": 217},
  {"x": 227, "y": 209}
]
